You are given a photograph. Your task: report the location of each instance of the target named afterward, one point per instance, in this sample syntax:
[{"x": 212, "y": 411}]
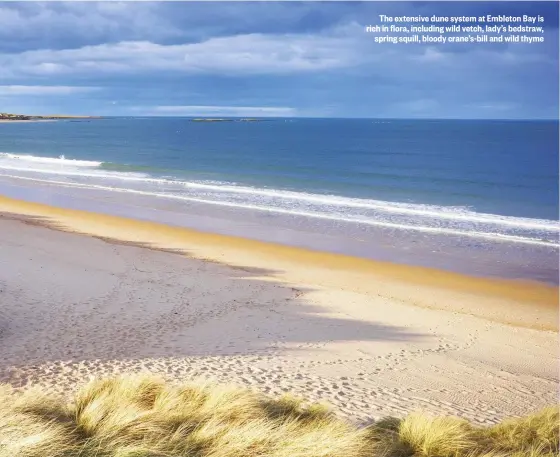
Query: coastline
[
  {"x": 524, "y": 304},
  {"x": 8, "y": 121},
  {"x": 266, "y": 236},
  {"x": 87, "y": 295},
  {"x": 48, "y": 118}
]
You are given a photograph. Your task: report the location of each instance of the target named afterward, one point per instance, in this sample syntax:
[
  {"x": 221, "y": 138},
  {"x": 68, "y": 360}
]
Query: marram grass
[{"x": 143, "y": 416}]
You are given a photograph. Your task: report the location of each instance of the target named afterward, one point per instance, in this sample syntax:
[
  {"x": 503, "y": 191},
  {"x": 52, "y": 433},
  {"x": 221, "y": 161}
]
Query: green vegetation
[{"x": 142, "y": 416}]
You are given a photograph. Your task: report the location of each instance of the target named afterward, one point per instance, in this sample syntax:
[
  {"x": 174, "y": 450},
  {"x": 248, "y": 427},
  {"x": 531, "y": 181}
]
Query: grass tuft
[
  {"x": 436, "y": 436},
  {"x": 536, "y": 434},
  {"x": 142, "y": 416}
]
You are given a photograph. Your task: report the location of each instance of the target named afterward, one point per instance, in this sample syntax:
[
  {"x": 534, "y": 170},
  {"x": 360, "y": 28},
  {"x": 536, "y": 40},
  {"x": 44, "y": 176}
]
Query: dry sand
[{"x": 371, "y": 339}]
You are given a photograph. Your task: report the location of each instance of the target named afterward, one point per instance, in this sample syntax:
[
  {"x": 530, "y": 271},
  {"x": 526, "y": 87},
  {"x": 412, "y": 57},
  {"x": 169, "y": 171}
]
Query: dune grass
[
  {"x": 143, "y": 416},
  {"x": 425, "y": 436}
]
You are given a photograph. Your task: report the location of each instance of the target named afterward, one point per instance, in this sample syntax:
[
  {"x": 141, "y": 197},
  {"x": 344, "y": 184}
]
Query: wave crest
[
  {"x": 461, "y": 221},
  {"x": 61, "y": 160}
]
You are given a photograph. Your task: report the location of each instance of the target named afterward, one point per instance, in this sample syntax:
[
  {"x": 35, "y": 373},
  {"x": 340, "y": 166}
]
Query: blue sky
[{"x": 266, "y": 59}]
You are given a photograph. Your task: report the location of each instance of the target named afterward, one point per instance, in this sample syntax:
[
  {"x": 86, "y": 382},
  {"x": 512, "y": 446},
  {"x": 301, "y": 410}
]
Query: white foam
[
  {"x": 441, "y": 212},
  {"x": 93, "y": 174},
  {"x": 372, "y": 212},
  {"x": 61, "y": 160},
  {"x": 355, "y": 219},
  {"x": 71, "y": 167}
]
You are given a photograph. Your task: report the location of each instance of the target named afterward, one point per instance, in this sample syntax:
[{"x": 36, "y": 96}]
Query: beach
[
  {"x": 455, "y": 195},
  {"x": 258, "y": 232},
  {"x": 85, "y": 294}
]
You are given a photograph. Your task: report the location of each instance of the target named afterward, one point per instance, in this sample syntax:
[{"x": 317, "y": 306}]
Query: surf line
[
  {"x": 418, "y": 228},
  {"x": 386, "y": 207}
]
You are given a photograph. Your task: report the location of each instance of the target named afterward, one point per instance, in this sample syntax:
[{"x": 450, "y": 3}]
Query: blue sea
[{"x": 479, "y": 197}]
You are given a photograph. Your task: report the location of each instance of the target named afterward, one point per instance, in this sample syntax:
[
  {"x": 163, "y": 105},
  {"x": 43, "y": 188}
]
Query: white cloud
[
  {"x": 494, "y": 106},
  {"x": 82, "y": 20},
  {"x": 430, "y": 54},
  {"x": 233, "y": 55},
  {"x": 44, "y": 90},
  {"x": 209, "y": 110},
  {"x": 342, "y": 47}
]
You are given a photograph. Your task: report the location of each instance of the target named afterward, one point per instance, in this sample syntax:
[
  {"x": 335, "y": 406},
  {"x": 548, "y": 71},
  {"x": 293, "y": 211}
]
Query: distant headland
[
  {"x": 28, "y": 117},
  {"x": 5, "y": 117}
]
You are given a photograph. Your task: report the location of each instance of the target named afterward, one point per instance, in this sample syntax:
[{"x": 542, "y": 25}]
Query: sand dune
[{"x": 73, "y": 306}]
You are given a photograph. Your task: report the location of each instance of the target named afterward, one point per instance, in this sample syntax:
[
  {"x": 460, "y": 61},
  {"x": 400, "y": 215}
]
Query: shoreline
[
  {"x": 48, "y": 118},
  {"x": 519, "y": 303},
  {"x": 86, "y": 295},
  {"x": 8, "y": 121}
]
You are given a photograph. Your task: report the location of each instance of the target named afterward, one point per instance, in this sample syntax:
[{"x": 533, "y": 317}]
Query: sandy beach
[{"x": 84, "y": 294}]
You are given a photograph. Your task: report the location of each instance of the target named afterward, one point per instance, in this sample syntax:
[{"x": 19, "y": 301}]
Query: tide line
[{"x": 417, "y": 228}]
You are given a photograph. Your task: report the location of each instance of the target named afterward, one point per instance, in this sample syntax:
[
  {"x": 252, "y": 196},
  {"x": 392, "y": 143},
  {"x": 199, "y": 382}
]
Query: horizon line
[{"x": 326, "y": 117}]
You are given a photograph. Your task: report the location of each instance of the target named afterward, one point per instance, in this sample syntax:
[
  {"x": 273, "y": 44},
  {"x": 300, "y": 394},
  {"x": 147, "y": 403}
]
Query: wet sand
[{"x": 370, "y": 338}]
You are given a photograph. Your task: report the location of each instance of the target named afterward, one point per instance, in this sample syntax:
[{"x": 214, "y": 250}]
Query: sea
[{"x": 474, "y": 196}]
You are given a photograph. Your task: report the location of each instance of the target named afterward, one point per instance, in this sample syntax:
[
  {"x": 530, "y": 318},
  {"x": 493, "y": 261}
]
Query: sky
[{"x": 284, "y": 59}]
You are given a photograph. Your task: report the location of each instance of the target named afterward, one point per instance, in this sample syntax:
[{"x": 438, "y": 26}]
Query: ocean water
[{"x": 473, "y": 196}]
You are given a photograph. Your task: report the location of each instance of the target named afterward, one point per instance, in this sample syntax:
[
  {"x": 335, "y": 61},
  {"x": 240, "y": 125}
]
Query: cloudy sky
[{"x": 265, "y": 59}]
